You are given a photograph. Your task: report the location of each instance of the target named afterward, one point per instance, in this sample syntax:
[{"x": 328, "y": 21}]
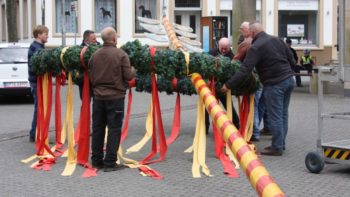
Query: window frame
[
  {"x": 141, "y": 35},
  {"x": 319, "y": 27},
  {"x": 117, "y": 19},
  {"x": 68, "y": 34}
]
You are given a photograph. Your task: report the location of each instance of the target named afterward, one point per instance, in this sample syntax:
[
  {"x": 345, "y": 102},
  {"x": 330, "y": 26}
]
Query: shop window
[
  {"x": 147, "y": 9},
  {"x": 299, "y": 21},
  {"x": 187, "y": 3},
  {"x": 105, "y": 14},
  {"x": 69, "y": 13}
]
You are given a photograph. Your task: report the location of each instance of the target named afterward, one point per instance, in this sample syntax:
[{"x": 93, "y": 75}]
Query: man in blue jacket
[
  {"x": 273, "y": 62},
  {"x": 40, "y": 34}
]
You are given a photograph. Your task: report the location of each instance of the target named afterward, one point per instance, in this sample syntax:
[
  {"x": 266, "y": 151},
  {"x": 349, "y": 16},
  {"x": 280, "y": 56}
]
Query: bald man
[
  {"x": 110, "y": 70},
  {"x": 273, "y": 62},
  {"x": 225, "y": 50}
]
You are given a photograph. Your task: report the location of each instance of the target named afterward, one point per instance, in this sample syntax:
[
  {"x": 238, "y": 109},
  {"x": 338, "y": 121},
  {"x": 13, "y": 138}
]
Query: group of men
[{"x": 110, "y": 69}]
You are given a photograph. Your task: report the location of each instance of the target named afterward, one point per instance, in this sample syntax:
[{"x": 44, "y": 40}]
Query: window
[
  {"x": 187, "y": 3},
  {"x": 147, "y": 9},
  {"x": 69, "y": 13},
  {"x": 105, "y": 14},
  {"x": 299, "y": 21}
]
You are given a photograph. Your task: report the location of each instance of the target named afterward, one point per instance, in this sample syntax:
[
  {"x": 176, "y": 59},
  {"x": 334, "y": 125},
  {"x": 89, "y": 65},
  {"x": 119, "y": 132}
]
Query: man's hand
[{"x": 224, "y": 89}]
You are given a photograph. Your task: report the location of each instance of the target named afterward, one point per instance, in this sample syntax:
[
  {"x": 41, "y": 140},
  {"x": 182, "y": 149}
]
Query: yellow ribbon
[
  {"x": 72, "y": 155},
  {"x": 148, "y": 134},
  {"x": 250, "y": 122},
  {"x": 62, "y": 54},
  {"x": 187, "y": 59},
  {"x": 199, "y": 146}
]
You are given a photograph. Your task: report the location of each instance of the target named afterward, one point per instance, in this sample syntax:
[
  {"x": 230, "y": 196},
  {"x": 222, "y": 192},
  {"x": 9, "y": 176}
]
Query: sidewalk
[{"x": 288, "y": 171}]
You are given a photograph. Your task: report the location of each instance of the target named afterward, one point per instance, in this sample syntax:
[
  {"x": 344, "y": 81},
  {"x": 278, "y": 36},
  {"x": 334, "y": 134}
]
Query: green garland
[
  {"x": 89, "y": 51},
  {"x": 72, "y": 63},
  {"x": 50, "y": 61},
  {"x": 168, "y": 64},
  {"x": 35, "y": 61}
]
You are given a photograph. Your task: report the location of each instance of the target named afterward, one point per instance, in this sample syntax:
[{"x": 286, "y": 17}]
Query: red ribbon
[
  {"x": 156, "y": 116},
  {"x": 176, "y": 122},
  {"x": 229, "y": 168},
  {"x": 84, "y": 123},
  {"x": 58, "y": 118},
  {"x": 244, "y": 112},
  {"x": 125, "y": 129},
  {"x": 43, "y": 121}
]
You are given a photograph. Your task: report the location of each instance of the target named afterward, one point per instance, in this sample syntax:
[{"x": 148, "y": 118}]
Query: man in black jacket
[
  {"x": 40, "y": 34},
  {"x": 225, "y": 50},
  {"x": 273, "y": 62}
]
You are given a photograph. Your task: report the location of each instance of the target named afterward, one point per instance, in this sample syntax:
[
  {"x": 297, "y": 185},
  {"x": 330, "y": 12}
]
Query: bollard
[{"x": 258, "y": 176}]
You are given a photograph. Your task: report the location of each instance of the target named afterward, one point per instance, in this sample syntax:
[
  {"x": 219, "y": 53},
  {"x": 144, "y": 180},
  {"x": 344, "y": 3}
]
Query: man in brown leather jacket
[{"x": 110, "y": 69}]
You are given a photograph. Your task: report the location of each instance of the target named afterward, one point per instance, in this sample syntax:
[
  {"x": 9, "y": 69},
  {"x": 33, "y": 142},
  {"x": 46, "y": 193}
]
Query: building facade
[{"x": 310, "y": 24}]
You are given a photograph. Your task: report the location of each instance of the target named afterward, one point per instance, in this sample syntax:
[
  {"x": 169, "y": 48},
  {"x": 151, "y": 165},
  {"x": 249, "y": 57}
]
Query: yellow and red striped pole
[{"x": 255, "y": 171}]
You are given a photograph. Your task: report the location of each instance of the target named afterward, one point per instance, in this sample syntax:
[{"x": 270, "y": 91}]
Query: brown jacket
[
  {"x": 110, "y": 70},
  {"x": 242, "y": 49}
]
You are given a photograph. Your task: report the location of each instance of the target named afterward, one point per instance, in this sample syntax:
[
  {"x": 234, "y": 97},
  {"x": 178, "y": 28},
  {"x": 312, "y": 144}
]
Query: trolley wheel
[{"x": 314, "y": 162}]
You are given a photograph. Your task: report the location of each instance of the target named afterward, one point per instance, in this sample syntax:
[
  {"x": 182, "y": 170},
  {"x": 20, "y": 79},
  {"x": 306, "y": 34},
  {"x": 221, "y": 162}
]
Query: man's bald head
[
  {"x": 255, "y": 28},
  {"x": 109, "y": 35},
  {"x": 244, "y": 29},
  {"x": 224, "y": 45}
]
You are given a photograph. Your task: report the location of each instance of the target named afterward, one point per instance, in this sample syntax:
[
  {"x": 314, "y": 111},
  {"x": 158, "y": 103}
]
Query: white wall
[{"x": 327, "y": 22}]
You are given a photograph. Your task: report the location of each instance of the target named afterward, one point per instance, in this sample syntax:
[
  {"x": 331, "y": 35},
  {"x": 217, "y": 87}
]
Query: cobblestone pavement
[{"x": 289, "y": 171}]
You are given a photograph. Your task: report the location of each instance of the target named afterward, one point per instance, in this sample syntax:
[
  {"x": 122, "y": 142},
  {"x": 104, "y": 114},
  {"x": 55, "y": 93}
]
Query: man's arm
[
  {"x": 128, "y": 71},
  {"x": 252, "y": 58},
  {"x": 242, "y": 51}
]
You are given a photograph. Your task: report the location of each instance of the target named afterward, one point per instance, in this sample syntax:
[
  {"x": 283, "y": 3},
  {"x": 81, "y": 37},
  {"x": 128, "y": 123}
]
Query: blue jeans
[
  {"x": 277, "y": 99},
  {"x": 33, "y": 128},
  {"x": 257, "y": 115},
  {"x": 263, "y": 111}
]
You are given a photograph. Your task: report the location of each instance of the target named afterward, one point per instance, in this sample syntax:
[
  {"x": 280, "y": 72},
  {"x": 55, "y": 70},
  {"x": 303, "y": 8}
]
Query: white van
[{"x": 14, "y": 69}]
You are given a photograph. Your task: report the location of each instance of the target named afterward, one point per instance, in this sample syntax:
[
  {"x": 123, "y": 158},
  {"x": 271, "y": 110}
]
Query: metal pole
[
  {"x": 63, "y": 24},
  {"x": 43, "y": 12},
  {"x": 341, "y": 38}
]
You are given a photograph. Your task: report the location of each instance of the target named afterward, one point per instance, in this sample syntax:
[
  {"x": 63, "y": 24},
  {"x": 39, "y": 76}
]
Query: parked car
[{"x": 14, "y": 69}]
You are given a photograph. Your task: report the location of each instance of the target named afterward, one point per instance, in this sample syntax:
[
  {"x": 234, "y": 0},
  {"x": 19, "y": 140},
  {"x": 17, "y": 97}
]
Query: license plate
[{"x": 15, "y": 84}]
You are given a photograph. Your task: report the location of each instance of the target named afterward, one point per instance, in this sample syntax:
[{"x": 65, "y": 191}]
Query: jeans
[
  {"x": 277, "y": 99},
  {"x": 298, "y": 68},
  {"x": 262, "y": 111},
  {"x": 235, "y": 118},
  {"x": 106, "y": 113},
  {"x": 256, "y": 128},
  {"x": 33, "y": 128}
]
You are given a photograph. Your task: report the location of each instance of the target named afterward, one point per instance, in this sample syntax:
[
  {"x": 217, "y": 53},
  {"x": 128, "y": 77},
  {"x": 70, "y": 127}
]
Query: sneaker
[
  {"x": 113, "y": 168},
  {"x": 269, "y": 148}
]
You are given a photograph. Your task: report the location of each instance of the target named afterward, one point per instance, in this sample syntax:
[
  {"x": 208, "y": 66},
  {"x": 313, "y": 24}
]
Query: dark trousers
[
  {"x": 298, "y": 68},
  {"x": 235, "y": 118},
  {"x": 106, "y": 113},
  {"x": 33, "y": 128}
]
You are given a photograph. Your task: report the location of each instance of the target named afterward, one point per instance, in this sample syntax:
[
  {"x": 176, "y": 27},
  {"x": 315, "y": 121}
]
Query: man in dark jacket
[
  {"x": 110, "y": 69},
  {"x": 272, "y": 60},
  {"x": 225, "y": 50},
  {"x": 40, "y": 34},
  {"x": 89, "y": 37}
]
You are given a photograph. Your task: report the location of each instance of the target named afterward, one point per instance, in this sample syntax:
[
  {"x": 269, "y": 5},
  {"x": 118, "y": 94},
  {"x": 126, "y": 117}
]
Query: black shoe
[
  {"x": 300, "y": 85},
  {"x": 269, "y": 148},
  {"x": 31, "y": 139},
  {"x": 97, "y": 165},
  {"x": 113, "y": 168},
  {"x": 272, "y": 152},
  {"x": 265, "y": 131},
  {"x": 254, "y": 139}
]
